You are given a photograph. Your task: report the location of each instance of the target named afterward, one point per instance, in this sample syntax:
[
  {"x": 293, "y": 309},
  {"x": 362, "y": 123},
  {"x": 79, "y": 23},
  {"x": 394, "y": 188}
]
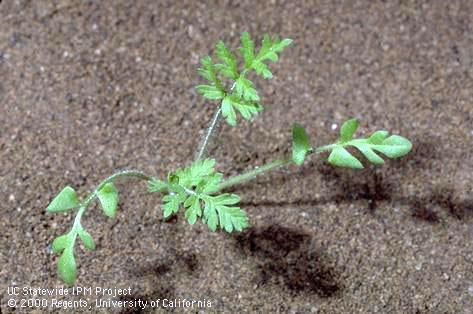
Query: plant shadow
[
  {"x": 286, "y": 258},
  {"x": 159, "y": 276}
]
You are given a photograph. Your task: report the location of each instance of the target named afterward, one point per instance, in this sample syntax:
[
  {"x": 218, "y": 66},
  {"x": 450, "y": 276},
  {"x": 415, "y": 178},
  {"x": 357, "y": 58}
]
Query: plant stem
[
  {"x": 208, "y": 134},
  {"x": 124, "y": 173},
  {"x": 268, "y": 167},
  {"x": 213, "y": 124},
  {"x": 253, "y": 173}
]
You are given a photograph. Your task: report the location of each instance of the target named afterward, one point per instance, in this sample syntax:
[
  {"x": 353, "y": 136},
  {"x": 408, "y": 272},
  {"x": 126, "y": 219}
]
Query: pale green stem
[
  {"x": 268, "y": 167},
  {"x": 212, "y": 126},
  {"x": 208, "y": 134},
  {"x": 124, "y": 173}
]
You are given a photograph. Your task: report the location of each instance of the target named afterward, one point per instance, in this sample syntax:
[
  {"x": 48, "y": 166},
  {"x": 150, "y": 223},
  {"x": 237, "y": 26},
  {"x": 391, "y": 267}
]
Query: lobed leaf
[
  {"x": 342, "y": 158},
  {"x": 378, "y": 137},
  {"x": 393, "y": 146},
  {"x": 108, "y": 196},
  {"x": 300, "y": 144},
  {"x": 65, "y": 200},
  {"x": 366, "y": 150}
]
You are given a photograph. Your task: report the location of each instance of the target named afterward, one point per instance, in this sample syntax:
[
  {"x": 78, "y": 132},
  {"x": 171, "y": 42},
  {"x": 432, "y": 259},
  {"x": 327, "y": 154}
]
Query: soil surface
[{"x": 89, "y": 87}]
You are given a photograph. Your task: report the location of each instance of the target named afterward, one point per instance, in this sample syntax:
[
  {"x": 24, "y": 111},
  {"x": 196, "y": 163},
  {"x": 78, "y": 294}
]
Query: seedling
[{"x": 198, "y": 188}]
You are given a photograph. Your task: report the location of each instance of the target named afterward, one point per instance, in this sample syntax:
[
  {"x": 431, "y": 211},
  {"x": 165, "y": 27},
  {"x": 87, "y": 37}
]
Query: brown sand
[{"x": 89, "y": 87}]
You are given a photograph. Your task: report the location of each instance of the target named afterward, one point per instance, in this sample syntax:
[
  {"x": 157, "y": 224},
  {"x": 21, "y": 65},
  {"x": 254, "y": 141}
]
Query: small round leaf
[
  {"x": 60, "y": 243},
  {"x": 66, "y": 199},
  {"x": 87, "y": 239},
  {"x": 108, "y": 196},
  {"x": 67, "y": 268},
  {"x": 348, "y": 129},
  {"x": 300, "y": 144}
]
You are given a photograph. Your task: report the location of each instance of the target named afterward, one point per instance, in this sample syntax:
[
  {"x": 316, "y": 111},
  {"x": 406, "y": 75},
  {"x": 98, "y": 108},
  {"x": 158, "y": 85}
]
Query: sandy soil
[{"x": 89, "y": 87}]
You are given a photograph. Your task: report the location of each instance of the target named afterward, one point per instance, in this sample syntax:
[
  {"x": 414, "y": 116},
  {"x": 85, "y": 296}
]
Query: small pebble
[
  {"x": 334, "y": 126},
  {"x": 11, "y": 197},
  {"x": 419, "y": 266},
  {"x": 470, "y": 290}
]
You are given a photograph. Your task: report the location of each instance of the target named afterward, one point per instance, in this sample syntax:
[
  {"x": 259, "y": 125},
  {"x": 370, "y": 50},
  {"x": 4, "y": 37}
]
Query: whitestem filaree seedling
[{"x": 198, "y": 187}]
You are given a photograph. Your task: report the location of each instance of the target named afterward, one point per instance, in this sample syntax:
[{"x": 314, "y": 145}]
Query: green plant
[{"x": 198, "y": 187}]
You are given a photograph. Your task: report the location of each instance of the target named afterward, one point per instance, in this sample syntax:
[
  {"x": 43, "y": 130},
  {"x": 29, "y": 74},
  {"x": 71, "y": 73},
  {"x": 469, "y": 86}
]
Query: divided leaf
[
  {"x": 300, "y": 144},
  {"x": 229, "y": 67},
  {"x": 66, "y": 266},
  {"x": 245, "y": 89},
  {"x": 194, "y": 210},
  {"x": 262, "y": 69},
  {"x": 210, "y": 91},
  {"x": 172, "y": 203},
  {"x": 156, "y": 185},
  {"x": 209, "y": 72},
  {"x": 193, "y": 175},
  {"x": 245, "y": 98},
  {"x": 65, "y": 200},
  {"x": 108, "y": 196},
  {"x": 247, "y": 109},
  {"x": 192, "y": 186},
  {"x": 228, "y": 112},
  {"x": 210, "y": 183},
  {"x": 247, "y": 49},
  {"x": 269, "y": 49},
  {"x": 218, "y": 212},
  {"x": 210, "y": 215}
]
